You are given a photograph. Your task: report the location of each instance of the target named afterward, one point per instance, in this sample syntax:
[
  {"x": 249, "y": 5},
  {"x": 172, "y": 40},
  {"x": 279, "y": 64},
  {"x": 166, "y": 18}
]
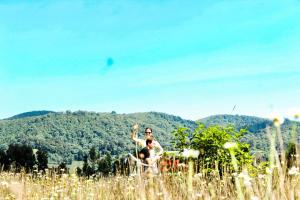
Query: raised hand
[{"x": 134, "y": 130}]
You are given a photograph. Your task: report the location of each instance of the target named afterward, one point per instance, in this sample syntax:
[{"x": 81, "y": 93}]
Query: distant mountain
[
  {"x": 252, "y": 124},
  {"x": 70, "y": 135},
  {"x": 30, "y": 114},
  {"x": 257, "y": 134}
]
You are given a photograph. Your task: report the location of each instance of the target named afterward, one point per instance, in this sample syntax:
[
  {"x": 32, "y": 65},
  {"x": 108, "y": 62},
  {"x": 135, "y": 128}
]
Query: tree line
[
  {"x": 22, "y": 156},
  {"x": 209, "y": 141}
]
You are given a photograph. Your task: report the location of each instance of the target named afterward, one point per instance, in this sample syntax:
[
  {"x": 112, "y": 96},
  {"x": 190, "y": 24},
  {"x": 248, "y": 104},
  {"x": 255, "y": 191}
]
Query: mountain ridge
[
  {"x": 69, "y": 135},
  {"x": 34, "y": 113}
]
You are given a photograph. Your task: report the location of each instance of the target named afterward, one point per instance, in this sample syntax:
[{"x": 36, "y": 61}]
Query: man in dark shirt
[{"x": 144, "y": 154}]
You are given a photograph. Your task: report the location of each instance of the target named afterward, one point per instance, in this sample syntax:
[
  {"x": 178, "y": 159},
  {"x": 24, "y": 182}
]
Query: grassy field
[
  {"x": 273, "y": 181},
  {"x": 270, "y": 185}
]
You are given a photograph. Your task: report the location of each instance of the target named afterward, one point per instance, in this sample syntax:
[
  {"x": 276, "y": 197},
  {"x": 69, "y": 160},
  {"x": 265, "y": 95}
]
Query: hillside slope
[{"x": 69, "y": 135}]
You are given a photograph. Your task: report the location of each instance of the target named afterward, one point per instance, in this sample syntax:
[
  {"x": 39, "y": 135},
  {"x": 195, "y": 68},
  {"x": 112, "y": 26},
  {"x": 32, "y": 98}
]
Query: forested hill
[
  {"x": 252, "y": 124},
  {"x": 256, "y": 136},
  {"x": 67, "y": 136},
  {"x": 31, "y": 114}
]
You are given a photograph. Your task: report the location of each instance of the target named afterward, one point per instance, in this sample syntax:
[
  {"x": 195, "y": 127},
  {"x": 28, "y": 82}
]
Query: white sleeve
[{"x": 160, "y": 149}]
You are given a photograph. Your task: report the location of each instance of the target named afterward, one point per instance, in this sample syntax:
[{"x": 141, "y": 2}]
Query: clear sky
[{"x": 188, "y": 58}]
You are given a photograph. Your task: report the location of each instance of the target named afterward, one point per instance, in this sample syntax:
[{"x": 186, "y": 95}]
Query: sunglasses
[{"x": 148, "y": 132}]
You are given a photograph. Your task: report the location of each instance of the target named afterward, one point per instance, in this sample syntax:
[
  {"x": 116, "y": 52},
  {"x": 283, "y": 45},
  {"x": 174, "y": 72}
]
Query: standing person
[
  {"x": 144, "y": 154},
  {"x": 157, "y": 150}
]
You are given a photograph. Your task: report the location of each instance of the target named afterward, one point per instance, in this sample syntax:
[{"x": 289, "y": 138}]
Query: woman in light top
[{"x": 156, "y": 151}]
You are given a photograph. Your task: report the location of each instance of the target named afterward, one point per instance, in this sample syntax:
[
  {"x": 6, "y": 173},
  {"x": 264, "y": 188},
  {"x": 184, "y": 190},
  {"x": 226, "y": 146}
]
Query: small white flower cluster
[
  {"x": 190, "y": 153},
  {"x": 230, "y": 145},
  {"x": 261, "y": 176},
  {"x": 268, "y": 170},
  {"x": 277, "y": 119},
  {"x": 254, "y": 198},
  {"x": 199, "y": 175},
  {"x": 294, "y": 171},
  {"x": 4, "y": 184},
  {"x": 247, "y": 180}
]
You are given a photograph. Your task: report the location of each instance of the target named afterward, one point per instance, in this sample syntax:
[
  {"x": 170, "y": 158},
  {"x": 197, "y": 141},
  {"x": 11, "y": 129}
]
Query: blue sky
[{"x": 188, "y": 58}]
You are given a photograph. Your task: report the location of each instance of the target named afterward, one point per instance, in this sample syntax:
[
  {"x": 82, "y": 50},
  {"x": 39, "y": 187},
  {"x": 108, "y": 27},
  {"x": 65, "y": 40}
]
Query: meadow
[
  {"x": 166, "y": 186},
  {"x": 232, "y": 178}
]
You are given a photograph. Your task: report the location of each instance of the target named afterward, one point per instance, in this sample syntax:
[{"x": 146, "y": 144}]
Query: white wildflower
[
  {"x": 234, "y": 174},
  {"x": 246, "y": 178},
  {"x": 261, "y": 176},
  {"x": 277, "y": 119},
  {"x": 229, "y": 145},
  {"x": 199, "y": 175},
  {"x": 294, "y": 171},
  {"x": 199, "y": 195},
  {"x": 4, "y": 184},
  {"x": 190, "y": 153},
  {"x": 254, "y": 198},
  {"x": 247, "y": 182},
  {"x": 268, "y": 170}
]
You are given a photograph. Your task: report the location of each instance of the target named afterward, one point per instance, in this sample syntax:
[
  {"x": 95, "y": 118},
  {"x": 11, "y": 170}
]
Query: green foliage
[
  {"x": 87, "y": 170},
  {"x": 105, "y": 165},
  {"x": 94, "y": 164},
  {"x": 21, "y": 156},
  {"x": 93, "y": 154},
  {"x": 70, "y": 135},
  {"x": 42, "y": 159},
  {"x": 62, "y": 168},
  {"x": 4, "y": 160},
  {"x": 256, "y": 135},
  {"x": 31, "y": 114},
  {"x": 210, "y": 143},
  {"x": 291, "y": 154},
  {"x": 181, "y": 135},
  {"x": 252, "y": 124}
]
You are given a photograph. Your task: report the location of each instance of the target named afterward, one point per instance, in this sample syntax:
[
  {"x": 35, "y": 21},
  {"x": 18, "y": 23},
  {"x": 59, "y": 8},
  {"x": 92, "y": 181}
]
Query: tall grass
[
  {"x": 276, "y": 182},
  {"x": 167, "y": 186}
]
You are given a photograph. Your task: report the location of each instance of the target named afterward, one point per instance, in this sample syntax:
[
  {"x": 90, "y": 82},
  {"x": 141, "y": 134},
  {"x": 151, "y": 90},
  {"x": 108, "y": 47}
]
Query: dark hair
[
  {"x": 144, "y": 153},
  {"x": 149, "y": 129},
  {"x": 149, "y": 141}
]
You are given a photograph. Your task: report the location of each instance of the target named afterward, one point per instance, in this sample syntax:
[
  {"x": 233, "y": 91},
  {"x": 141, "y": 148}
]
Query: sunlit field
[
  {"x": 277, "y": 178},
  {"x": 168, "y": 186}
]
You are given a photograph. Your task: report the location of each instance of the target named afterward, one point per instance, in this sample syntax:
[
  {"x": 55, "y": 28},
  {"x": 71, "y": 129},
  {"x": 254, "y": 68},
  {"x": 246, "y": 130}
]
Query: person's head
[
  {"x": 148, "y": 132},
  {"x": 149, "y": 143}
]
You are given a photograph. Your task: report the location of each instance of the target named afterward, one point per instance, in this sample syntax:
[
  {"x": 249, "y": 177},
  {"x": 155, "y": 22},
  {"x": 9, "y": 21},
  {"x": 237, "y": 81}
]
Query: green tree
[
  {"x": 87, "y": 170},
  {"x": 21, "y": 156},
  {"x": 105, "y": 165},
  {"x": 291, "y": 154},
  {"x": 93, "y": 154},
  {"x": 4, "y": 160},
  {"x": 210, "y": 143},
  {"x": 42, "y": 159},
  {"x": 62, "y": 168}
]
